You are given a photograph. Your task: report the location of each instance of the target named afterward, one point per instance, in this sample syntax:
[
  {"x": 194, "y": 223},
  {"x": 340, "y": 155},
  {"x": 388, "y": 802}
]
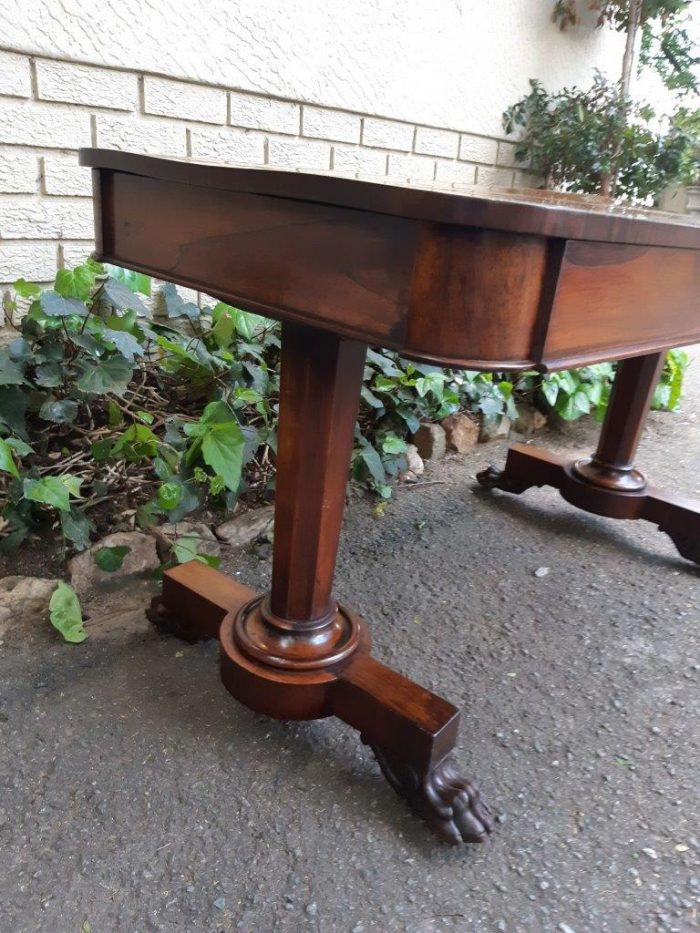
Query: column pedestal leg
[
  {"x": 608, "y": 483},
  {"x": 295, "y": 653}
]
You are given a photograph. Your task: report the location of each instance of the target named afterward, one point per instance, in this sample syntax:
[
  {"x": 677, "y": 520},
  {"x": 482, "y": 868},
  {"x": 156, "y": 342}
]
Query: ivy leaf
[
  {"x": 222, "y": 450},
  {"x": 21, "y": 448},
  {"x": 101, "y": 450},
  {"x": 128, "y": 346},
  {"x": 186, "y": 548},
  {"x": 65, "y": 614},
  {"x": 223, "y": 330},
  {"x": 20, "y": 350},
  {"x": 170, "y": 495},
  {"x": 374, "y": 464},
  {"x": 76, "y": 527},
  {"x": 122, "y": 297},
  {"x": 13, "y": 404},
  {"x": 247, "y": 323},
  {"x": 136, "y": 281},
  {"x": 86, "y": 342},
  {"x": 7, "y": 461},
  {"x": 48, "y": 375},
  {"x": 26, "y": 289},
  {"x": 55, "y": 305},
  {"x": 52, "y": 490},
  {"x": 111, "y": 558},
  {"x": 11, "y": 371},
  {"x": 175, "y": 304},
  {"x": 138, "y": 442},
  {"x": 394, "y": 445},
  {"x": 75, "y": 283},
  {"x": 147, "y": 514},
  {"x": 211, "y": 560},
  {"x": 60, "y": 412},
  {"x": 109, "y": 375}
]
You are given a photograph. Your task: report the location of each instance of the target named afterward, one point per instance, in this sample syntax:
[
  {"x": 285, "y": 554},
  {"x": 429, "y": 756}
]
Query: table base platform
[
  {"x": 676, "y": 515},
  {"x": 410, "y": 730}
]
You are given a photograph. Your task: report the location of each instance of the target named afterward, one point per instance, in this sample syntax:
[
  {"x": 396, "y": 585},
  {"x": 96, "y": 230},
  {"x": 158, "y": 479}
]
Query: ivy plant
[{"x": 107, "y": 410}]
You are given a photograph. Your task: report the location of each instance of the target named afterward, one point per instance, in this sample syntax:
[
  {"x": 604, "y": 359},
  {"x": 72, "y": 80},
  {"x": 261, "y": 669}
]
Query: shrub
[{"x": 106, "y": 410}]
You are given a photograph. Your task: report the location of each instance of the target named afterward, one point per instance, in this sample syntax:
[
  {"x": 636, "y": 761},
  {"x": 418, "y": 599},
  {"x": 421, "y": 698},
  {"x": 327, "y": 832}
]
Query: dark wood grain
[
  {"x": 549, "y": 214},
  {"x": 614, "y": 301},
  {"x": 478, "y": 279},
  {"x": 472, "y": 292}
]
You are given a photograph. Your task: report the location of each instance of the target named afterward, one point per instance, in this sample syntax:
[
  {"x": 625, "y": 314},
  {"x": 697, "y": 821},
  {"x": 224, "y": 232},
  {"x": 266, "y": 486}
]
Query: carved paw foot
[
  {"x": 449, "y": 804},
  {"x": 494, "y": 478},
  {"x": 168, "y": 624}
]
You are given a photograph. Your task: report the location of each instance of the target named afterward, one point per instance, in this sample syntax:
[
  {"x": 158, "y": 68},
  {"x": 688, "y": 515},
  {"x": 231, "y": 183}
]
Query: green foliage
[
  {"x": 183, "y": 414},
  {"x": 110, "y": 559},
  {"x": 589, "y": 140},
  {"x": 667, "y": 45},
  {"x": 65, "y": 614}
]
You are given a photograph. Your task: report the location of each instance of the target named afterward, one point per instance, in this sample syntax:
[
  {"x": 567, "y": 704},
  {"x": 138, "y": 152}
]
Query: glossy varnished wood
[
  {"x": 614, "y": 300},
  {"x": 544, "y": 213},
  {"x": 608, "y": 483},
  {"x": 482, "y": 280}
]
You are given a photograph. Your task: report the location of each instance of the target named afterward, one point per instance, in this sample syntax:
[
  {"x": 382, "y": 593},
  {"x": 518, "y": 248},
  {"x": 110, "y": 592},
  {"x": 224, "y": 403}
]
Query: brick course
[{"x": 45, "y": 208}]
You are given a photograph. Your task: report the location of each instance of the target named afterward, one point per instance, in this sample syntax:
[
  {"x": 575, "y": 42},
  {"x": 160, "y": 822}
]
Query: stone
[
  {"x": 207, "y": 543},
  {"x": 24, "y": 602},
  {"x": 141, "y": 559},
  {"x": 493, "y": 428},
  {"x": 461, "y": 432},
  {"x": 248, "y": 527},
  {"x": 430, "y": 441},
  {"x": 414, "y": 465},
  {"x": 529, "y": 420}
]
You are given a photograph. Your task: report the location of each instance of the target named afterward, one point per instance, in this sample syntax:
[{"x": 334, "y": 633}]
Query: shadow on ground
[{"x": 136, "y": 795}]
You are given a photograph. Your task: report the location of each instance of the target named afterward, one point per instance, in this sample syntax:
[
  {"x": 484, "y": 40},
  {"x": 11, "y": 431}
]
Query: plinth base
[
  {"x": 676, "y": 515},
  {"x": 410, "y": 730}
]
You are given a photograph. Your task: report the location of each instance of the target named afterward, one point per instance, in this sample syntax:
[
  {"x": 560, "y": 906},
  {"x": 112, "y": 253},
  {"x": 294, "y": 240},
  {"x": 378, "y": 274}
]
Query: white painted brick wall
[
  {"x": 455, "y": 173},
  {"x": 478, "y": 149},
  {"x": 331, "y": 124},
  {"x": 63, "y": 176},
  {"x": 26, "y": 123},
  {"x": 357, "y": 160},
  {"x": 27, "y": 217},
  {"x": 15, "y": 77},
  {"x": 75, "y": 252},
  {"x": 45, "y": 208},
  {"x": 28, "y": 259},
  {"x": 437, "y": 142},
  {"x": 228, "y": 145},
  {"x": 91, "y": 87},
  {"x": 151, "y": 136},
  {"x": 264, "y": 113},
  {"x": 299, "y": 153},
  {"x": 501, "y": 177},
  {"x": 184, "y": 101},
  {"x": 387, "y": 134},
  {"x": 19, "y": 170},
  {"x": 411, "y": 167}
]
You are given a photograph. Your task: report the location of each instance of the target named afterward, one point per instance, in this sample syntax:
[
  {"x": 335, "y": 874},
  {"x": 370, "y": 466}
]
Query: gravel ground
[{"x": 136, "y": 795}]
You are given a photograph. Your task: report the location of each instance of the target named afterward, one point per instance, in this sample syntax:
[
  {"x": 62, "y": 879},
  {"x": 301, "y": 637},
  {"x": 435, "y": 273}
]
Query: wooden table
[{"x": 479, "y": 279}]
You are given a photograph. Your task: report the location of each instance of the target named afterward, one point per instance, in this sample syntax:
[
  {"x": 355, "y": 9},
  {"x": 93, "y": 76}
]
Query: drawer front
[
  {"x": 343, "y": 269},
  {"x": 614, "y": 300}
]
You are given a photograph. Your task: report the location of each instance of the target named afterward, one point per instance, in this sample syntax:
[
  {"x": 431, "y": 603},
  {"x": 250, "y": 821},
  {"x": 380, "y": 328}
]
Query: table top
[{"x": 526, "y": 211}]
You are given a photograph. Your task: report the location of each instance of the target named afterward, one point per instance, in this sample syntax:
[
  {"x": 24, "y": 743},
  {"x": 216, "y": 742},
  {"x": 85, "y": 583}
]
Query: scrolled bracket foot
[
  {"x": 169, "y": 624},
  {"x": 451, "y": 806},
  {"x": 687, "y": 544},
  {"x": 495, "y": 478}
]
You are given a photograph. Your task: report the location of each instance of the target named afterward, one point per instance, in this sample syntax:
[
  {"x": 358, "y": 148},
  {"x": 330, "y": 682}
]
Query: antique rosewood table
[{"x": 478, "y": 279}]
